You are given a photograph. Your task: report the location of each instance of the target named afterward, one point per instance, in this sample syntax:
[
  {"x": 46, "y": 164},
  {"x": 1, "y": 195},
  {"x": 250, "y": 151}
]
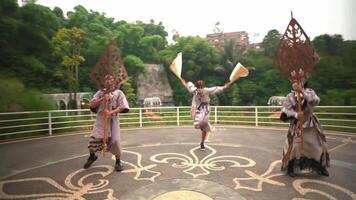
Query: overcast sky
[{"x": 198, "y": 17}]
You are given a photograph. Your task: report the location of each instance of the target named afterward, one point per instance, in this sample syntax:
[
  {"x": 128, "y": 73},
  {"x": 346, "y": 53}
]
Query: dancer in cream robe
[
  {"x": 200, "y": 109},
  {"x": 117, "y": 103}
]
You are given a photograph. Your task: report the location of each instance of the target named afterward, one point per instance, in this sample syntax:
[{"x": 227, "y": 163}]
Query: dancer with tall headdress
[
  {"x": 109, "y": 73},
  {"x": 314, "y": 154},
  {"x": 305, "y": 146}
]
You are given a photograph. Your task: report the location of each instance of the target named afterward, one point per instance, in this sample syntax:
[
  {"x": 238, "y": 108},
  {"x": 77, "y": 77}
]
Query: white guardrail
[{"x": 339, "y": 118}]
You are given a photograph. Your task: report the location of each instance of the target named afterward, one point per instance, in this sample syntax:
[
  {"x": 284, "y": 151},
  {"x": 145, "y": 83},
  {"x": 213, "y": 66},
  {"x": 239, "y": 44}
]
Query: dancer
[
  {"x": 314, "y": 155},
  {"x": 116, "y": 103},
  {"x": 200, "y": 105}
]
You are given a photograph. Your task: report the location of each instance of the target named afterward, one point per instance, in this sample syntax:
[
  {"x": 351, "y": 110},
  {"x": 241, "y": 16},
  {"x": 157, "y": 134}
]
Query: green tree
[
  {"x": 328, "y": 44},
  {"x": 134, "y": 66},
  {"x": 129, "y": 93},
  {"x": 39, "y": 19},
  {"x": 153, "y": 29},
  {"x": 128, "y": 38},
  {"x": 235, "y": 95},
  {"x": 8, "y": 7},
  {"x": 270, "y": 42},
  {"x": 78, "y": 18},
  {"x": 25, "y": 39},
  {"x": 231, "y": 55},
  {"x": 200, "y": 60},
  {"x": 334, "y": 78},
  {"x": 68, "y": 45},
  {"x": 150, "y": 46},
  {"x": 60, "y": 15},
  {"x": 249, "y": 95}
]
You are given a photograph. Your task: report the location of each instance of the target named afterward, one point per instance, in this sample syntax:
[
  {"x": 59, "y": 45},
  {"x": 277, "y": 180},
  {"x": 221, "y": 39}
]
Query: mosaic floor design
[{"x": 169, "y": 171}]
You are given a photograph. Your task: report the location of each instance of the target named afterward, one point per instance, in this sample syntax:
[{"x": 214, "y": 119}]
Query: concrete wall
[{"x": 154, "y": 84}]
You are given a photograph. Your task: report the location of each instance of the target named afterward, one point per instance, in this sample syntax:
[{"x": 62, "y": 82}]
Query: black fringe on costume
[
  {"x": 306, "y": 163},
  {"x": 96, "y": 144}
]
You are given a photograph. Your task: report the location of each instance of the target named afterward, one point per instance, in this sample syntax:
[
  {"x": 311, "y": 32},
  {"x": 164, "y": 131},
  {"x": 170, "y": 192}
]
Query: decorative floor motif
[
  {"x": 83, "y": 184},
  {"x": 138, "y": 168},
  {"x": 70, "y": 190},
  {"x": 196, "y": 167},
  {"x": 297, "y": 184},
  {"x": 263, "y": 178}
]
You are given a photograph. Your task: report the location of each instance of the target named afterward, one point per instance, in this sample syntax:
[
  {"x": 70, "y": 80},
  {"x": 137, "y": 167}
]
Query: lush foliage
[{"x": 41, "y": 47}]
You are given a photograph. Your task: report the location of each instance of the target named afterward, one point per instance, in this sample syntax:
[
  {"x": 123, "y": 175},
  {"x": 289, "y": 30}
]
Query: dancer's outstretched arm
[
  {"x": 218, "y": 89},
  {"x": 227, "y": 85},
  {"x": 189, "y": 85},
  {"x": 183, "y": 81}
]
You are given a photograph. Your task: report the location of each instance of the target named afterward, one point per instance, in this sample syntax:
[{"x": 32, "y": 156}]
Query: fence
[{"x": 20, "y": 124}]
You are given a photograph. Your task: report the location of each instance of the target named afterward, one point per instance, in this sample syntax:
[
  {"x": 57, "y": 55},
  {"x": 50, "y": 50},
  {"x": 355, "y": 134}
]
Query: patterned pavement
[{"x": 166, "y": 163}]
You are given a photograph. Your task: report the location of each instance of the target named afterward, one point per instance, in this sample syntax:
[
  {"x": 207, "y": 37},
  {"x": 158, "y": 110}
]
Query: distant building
[
  {"x": 256, "y": 46},
  {"x": 240, "y": 40}
]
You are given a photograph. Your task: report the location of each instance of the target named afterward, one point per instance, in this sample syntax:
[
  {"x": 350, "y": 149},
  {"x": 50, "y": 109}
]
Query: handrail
[{"x": 341, "y": 118}]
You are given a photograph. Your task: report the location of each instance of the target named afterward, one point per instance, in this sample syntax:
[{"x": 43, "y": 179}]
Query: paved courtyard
[{"x": 166, "y": 163}]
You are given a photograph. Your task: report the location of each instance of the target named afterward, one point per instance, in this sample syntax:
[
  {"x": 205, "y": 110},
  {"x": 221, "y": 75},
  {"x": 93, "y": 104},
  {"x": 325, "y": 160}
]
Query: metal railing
[{"x": 339, "y": 118}]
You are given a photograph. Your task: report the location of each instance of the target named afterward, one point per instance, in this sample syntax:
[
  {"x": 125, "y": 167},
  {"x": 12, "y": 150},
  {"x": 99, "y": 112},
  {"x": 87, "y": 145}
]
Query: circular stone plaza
[{"x": 166, "y": 163}]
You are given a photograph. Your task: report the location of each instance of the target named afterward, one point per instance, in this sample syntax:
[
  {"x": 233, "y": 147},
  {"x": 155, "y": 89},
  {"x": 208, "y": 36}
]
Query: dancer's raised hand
[{"x": 227, "y": 85}]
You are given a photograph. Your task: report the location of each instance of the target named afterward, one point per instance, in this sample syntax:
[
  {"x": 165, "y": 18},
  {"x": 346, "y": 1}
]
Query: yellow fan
[
  {"x": 176, "y": 66},
  {"x": 239, "y": 71}
]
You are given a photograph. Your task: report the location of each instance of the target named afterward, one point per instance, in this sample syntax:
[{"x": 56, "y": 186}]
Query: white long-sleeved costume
[
  {"x": 201, "y": 105},
  {"x": 117, "y": 99}
]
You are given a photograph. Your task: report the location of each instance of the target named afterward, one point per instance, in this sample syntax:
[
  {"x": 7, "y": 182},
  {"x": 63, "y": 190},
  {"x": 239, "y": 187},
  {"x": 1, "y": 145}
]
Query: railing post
[
  {"x": 177, "y": 116},
  {"x": 50, "y": 123},
  {"x": 256, "y": 116},
  {"x": 215, "y": 115},
  {"x": 140, "y": 117}
]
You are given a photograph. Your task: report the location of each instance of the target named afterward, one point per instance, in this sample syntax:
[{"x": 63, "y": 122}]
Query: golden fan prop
[
  {"x": 176, "y": 66},
  {"x": 239, "y": 71}
]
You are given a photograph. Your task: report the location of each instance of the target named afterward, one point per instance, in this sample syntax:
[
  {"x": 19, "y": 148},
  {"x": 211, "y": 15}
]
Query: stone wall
[
  {"x": 154, "y": 84},
  {"x": 62, "y": 100}
]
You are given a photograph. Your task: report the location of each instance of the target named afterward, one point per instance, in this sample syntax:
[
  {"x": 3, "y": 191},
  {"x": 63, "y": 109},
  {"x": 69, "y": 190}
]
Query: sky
[{"x": 257, "y": 17}]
